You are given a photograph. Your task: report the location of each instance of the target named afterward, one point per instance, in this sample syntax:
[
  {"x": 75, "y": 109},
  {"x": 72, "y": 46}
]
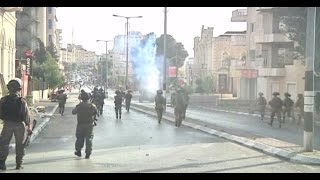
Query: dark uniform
[
  {"x": 276, "y": 106},
  {"x": 128, "y": 98},
  {"x": 101, "y": 96},
  {"x": 287, "y": 106},
  {"x": 261, "y": 105},
  {"x": 95, "y": 99},
  {"x": 85, "y": 116},
  {"x": 179, "y": 107},
  {"x": 62, "y": 99},
  {"x": 300, "y": 105},
  {"x": 160, "y": 102},
  {"x": 16, "y": 118},
  {"x": 186, "y": 97},
  {"x": 118, "y": 104}
]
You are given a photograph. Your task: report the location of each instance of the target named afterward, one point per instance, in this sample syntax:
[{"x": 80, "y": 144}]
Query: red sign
[
  {"x": 172, "y": 71},
  {"x": 249, "y": 73},
  {"x": 28, "y": 53}
]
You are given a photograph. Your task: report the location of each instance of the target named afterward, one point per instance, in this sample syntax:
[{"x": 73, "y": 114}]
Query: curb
[
  {"x": 277, "y": 152},
  {"x": 39, "y": 127}
]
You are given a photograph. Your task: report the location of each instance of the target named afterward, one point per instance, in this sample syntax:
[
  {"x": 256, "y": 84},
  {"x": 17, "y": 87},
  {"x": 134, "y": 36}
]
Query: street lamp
[
  {"x": 106, "y": 61},
  {"x": 127, "y": 49}
]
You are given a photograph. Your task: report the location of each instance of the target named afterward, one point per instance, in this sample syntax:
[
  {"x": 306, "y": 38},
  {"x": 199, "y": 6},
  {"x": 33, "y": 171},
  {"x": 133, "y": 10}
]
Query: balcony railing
[{"x": 239, "y": 15}]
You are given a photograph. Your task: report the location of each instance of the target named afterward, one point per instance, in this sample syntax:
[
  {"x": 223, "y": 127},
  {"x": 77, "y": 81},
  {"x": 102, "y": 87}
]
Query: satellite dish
[{"x": 12, "y": 9}]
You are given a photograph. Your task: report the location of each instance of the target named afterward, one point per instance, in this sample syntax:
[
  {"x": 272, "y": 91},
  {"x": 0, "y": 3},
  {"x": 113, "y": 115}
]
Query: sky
[{"x": 183, "y": 23}]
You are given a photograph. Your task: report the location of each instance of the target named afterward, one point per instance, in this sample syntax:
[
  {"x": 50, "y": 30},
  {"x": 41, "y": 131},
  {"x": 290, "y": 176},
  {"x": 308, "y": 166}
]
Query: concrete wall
[{"x": 37, "y": 95}]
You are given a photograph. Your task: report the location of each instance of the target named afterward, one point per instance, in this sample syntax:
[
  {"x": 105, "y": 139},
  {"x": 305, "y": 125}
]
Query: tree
[
  {"x": 52, "y": 49},
  {"x": 51, "y": 72},
  {"x": 295, "y": 25},
  {"x": 40, "y": 53},
  {"x": 176, "y": 53}
]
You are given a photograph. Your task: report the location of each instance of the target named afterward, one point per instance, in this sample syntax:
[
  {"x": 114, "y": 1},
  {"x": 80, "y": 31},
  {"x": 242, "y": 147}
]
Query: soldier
[
  {"x": 160, "y": 102},
  {"x": 179, "y": 107},
  {"x": 85, "y": 116},
  {"x": 95, "y": 99},
  {"x": 102, "y": 96},
  {"x": 288, "y": 106},
  {"x": 261, "y": 105},
  {"x": 299, "y": 104},
  {"x": 118, "y": 104},
  {"x": 276, "y": 105},
  {"x": 62, "y": 99},
  {"x": 128, "y": 98},
  {"x": 186, "y": 97},
  {"x": 15, "y": 115}
]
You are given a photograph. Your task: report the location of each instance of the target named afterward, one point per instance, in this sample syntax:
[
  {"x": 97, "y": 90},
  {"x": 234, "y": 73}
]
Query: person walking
[
  {"x": 160, "y": 102},
  {"x": 276, "y": 107},
  {"x": 85, "y": 112},
  {"x": 261, "y": 105},
  {"x": 16, "y": 118}
]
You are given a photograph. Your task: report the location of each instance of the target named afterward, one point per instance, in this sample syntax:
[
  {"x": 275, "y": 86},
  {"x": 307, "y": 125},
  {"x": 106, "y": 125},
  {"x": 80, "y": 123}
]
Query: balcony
[
  {"x": 272, "y": 38},
  {"x": 239, "y": 15},
  {"x": 272, "y": 72}
]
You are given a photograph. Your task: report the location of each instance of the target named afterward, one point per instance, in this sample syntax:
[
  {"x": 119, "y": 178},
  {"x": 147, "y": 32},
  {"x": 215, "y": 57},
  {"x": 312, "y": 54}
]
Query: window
[
  {"x": 251, "y": 27},
  {"x": 50, "y": 24},
  {"x": 50, "y": 10}
]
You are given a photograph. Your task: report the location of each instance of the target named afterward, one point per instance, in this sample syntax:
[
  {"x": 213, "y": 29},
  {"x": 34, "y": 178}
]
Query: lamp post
[
  {"x": 127, "y": 48},
  {"x": 106, "y": 84}
]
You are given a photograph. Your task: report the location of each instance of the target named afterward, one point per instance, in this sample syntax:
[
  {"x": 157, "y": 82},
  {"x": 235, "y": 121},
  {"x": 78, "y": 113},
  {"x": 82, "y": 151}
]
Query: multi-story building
[
  {"x": 229, "y": 50},
  {"x": 203, "y": 54},
  {"x": 270, "y": 51},
  {"x": 7, "y": 42}
]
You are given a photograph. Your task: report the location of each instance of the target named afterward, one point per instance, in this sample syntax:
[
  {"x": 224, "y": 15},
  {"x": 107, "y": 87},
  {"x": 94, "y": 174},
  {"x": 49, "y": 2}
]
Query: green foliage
[
  {"x": 40, "y": 53},
  {"x": 208, "y": 84},
  {"x": 176, "y": 53},
  {"x": 52, "y": 49},
  {"x": 51, "y": 72}
]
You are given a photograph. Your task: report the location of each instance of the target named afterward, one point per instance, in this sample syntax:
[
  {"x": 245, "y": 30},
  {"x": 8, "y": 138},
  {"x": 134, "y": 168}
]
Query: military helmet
[
  {"x": 260, "y": 94},
  {"x": 287, "y": 94},
  {"x": 14, "y": 85},
  {"x": 95, "y": 89},
  {"x": 84, "y": 96},
  {"x": 117, "y": 92},
  {"x": 159, "y": 91},
  {"x": 100, "y": 89},
  {"x": 275, "y": 93}
]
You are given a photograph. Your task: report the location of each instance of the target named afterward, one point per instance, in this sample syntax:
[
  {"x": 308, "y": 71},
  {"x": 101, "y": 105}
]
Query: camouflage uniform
[
  {"x": 128, "y": 98},
  {"x": 261, "y": 105},
  {"x": 14, "y": 124},
  {"x": 62, "y": 99},
  {"x": 287, "y": 106},
  {"x": 160, "y": 102},
  {"x": 118, "y": 104},
  {"x": 179, "y": 107},
  {"x": 276, "y": 105},
  {"x": 85, "y": 112}
]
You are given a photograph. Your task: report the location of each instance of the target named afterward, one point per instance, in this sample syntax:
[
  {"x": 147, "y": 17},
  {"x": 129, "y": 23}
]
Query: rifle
[{"x": 27, "y": 141}]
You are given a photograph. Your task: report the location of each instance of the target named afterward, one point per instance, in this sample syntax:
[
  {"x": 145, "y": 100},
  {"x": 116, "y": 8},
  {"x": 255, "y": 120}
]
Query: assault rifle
[{"x": 27, "y": 141}]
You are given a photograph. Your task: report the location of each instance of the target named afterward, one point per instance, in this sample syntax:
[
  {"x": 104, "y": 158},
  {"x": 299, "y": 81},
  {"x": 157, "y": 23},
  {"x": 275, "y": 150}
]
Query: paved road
[{"x": 137, "y": 143}]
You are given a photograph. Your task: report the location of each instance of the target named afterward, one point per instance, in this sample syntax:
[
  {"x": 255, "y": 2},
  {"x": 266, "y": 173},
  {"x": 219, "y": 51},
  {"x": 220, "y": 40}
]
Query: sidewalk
[{"x": 245, "y": 129}]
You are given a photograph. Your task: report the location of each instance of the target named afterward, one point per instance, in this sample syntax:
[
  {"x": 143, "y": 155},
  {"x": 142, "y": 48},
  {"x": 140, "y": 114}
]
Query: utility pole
[
  {"x": 165, "y": 58},
  {"x": 309, "y": 81}
]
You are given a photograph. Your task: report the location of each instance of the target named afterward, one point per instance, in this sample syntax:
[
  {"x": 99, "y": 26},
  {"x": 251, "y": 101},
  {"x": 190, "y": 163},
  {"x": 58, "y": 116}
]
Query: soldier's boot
[
  {"x": 18, "y": 166},
  {"x": 3, "y": 165},
  {"x": 77, "y": 153},
  {"x": 120, "y": 116},
  {"x": 87, "y": 156}
]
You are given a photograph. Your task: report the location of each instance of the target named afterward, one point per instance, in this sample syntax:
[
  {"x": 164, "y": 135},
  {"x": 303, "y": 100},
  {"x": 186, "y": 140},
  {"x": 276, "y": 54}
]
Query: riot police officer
[
  {"x": 261, "y": 105},
  {"x": 287, "y": 106},
  {"x": 85, "y": 112},
  {"x": 128, "y": 98},
  {"x": 15, "y": 114},
  {"x": 179, "y": 107}
]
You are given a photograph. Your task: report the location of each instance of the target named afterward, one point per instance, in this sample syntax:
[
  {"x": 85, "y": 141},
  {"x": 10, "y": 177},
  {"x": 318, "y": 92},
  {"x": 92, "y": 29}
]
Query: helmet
[
  {"x": 275, "y": 93},
  {"x": 287, "y": 94},
  {"x": 100, "y": 89},
  {"x": 260, "y": 94},
  {"x": 159, "y": 92},
  {"x": 117, "y": 92},
  {"x": 84, "y": 96},
  {"x": 14, "y": 85},
  {"x": 300, "y": 95}
]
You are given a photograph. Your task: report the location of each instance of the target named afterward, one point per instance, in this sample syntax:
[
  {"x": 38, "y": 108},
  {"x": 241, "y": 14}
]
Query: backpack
[
  {"x": 11, "y": 108},
  {"x": 180, "y": 101}
]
